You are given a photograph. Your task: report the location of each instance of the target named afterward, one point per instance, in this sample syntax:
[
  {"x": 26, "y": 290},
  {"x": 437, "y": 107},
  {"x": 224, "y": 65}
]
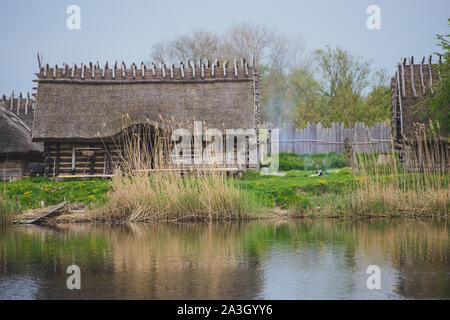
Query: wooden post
[
  {"x": 421, "y": 76},
  {"x": 192, "y": 65},
  {"x": 19, "y": 100},
  {"x": 83, "y": 68},
  {"x": 413, "y": 85},
  {"x": 350, "y": 155},
  {"x": 143, "y": 69},
  {"x": 108, "y": 159},
  {"x": 11, "y": 103},
  {"x": 430, "y": 75},
  {"x": 124, "y": 69},
  {"x": 57, "y": 159},
  {"x": 72, "y": 73},
  {"x": 92, "y": 163},
  {"x": 402, "y": 71},
  {"x": 27, "y": 101},
  {"x": 46, "y": 159},
  {"x": 73, "y": 160}
]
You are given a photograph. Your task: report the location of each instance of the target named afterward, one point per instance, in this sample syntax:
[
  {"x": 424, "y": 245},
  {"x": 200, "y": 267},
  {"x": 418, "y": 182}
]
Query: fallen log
[{"x": 38, "y": 215}]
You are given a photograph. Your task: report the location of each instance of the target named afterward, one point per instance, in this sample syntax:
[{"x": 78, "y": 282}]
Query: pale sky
[{"x": 126, "y": 30}]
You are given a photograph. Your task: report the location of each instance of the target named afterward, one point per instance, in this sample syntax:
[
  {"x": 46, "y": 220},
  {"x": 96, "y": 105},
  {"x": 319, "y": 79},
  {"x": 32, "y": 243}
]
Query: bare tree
[
  {"x": 271, "y": 48},
  {"x": 198, "y": 46},
  {"x": 275, "y": 53}
]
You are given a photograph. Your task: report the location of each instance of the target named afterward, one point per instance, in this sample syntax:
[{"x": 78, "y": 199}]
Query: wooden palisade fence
[{"x": 317, "y": 139}]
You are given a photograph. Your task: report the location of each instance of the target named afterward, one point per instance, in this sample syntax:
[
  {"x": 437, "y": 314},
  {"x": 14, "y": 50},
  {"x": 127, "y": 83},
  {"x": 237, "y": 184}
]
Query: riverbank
[{"x": 296, "y": 193}]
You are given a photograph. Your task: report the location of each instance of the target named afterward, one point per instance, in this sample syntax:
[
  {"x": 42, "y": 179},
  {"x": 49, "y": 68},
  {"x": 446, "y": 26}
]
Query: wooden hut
[
  {"x": 411, "y": 85},
  {"x": 16, "y": 147},
  {"x": 81, "y": 108}
]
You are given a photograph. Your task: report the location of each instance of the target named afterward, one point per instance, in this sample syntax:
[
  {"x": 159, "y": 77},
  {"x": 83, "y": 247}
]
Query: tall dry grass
[
  {"x": 149, "y": 187},
  {"x": 419, "y": 187}
]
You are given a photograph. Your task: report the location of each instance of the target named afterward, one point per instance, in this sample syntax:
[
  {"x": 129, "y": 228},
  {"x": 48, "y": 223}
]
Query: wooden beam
[{"x": 84, "y": 176}]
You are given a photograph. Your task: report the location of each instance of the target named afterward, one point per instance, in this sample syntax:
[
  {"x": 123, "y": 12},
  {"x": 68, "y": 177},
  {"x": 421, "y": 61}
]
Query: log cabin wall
[
  {"x": 100, "y": 159},
  {"x": 69, "y": 159}
]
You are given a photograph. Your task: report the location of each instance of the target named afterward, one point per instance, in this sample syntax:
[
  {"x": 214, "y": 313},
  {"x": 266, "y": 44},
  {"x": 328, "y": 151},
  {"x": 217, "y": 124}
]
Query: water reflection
[{"x": 300, "y": 259}]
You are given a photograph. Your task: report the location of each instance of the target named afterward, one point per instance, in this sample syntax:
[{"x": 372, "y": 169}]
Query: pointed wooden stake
[
  {"x": 430, "y": 74},
  {"x": 182, "y": 70}
]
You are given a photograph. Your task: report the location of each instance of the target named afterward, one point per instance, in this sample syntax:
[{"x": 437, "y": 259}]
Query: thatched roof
[
  {"x": 15, "y": 135},
  {"x": 411, "y": 85},
  {"x": 21, "y": 105},
  {"x": 86, "y": 102}
]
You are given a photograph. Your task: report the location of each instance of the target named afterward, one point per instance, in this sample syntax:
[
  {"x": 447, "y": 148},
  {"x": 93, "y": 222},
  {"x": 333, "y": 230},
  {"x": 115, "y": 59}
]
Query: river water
[{"x": 296, "y": 259}]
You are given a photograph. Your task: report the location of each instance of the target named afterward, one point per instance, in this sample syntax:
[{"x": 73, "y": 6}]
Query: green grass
[
  {"x": 29, "y": 192},
  {"x": 297, "y": 190},
  {"x": 308, "y": 162},
  {"x": 294, "y": 190},
  {"x": 336, "y": 192}
]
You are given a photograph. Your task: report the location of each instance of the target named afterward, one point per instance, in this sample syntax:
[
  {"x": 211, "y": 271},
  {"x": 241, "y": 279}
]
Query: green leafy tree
[
  {"x": 344, "y": 77},
  {"x": 305, "y": 92},
  {"x": 340, "y": 94}
]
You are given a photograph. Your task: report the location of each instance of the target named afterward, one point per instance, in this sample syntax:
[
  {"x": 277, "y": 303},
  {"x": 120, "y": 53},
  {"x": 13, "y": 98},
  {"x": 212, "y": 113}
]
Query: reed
[
  {"x": 148, "y": 187},
  {"x": 8, "y": 210},
  {"x": 419, "y": 187}
]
